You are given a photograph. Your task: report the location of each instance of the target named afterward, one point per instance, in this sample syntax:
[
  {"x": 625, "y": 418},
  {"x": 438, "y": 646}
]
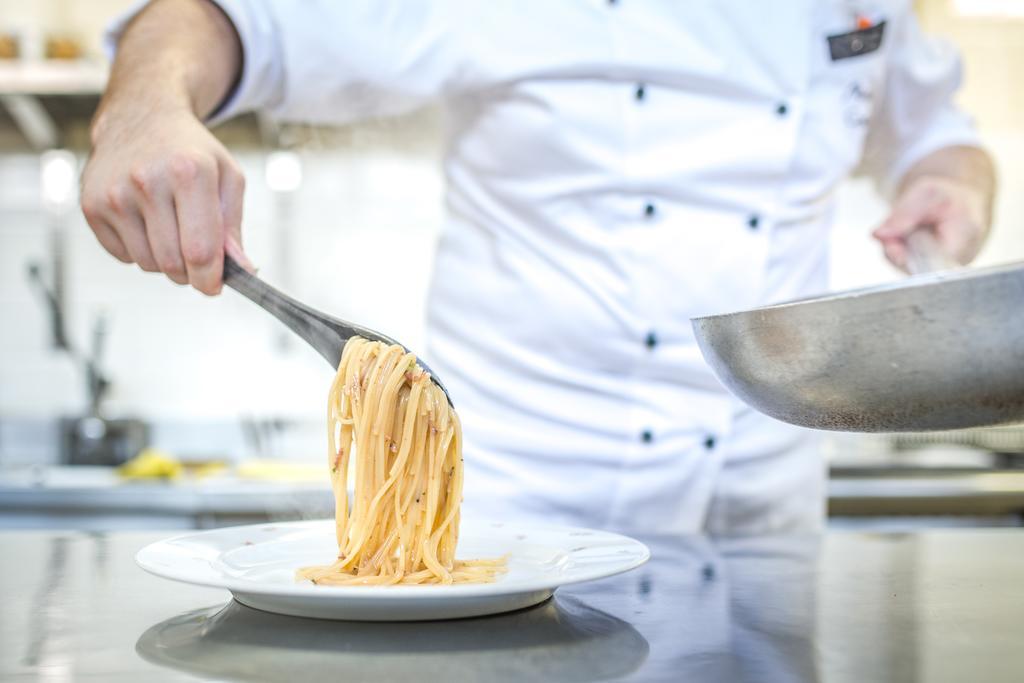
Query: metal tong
[{"x": 324, "y": 333}]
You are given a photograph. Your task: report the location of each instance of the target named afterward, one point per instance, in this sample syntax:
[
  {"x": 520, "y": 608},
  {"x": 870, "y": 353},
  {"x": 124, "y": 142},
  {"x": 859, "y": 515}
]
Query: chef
[{"x": 613, "y": 168}]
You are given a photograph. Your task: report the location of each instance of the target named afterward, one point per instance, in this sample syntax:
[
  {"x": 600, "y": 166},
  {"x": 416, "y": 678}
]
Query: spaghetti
[{"x": 402, "y": 526}]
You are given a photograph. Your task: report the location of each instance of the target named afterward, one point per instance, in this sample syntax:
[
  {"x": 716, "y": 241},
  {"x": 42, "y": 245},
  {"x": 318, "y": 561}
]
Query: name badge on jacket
[{"x": 856, "y": 43}]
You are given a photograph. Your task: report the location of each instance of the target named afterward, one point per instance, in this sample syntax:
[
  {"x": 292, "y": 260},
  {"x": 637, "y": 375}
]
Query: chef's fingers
[
  {"x": 105, "y": 233},
  {"x": 896, "y": 253},
  {"x": 960, "y": 236},
  {"x": 162, "y": 231},
  {"x": 132, "y": 231},
  {"x": 200, "y": 225},
  {"x": 122, "y": 213},
  {"x": 907, "y": 214},
  {"x": 891, "y": 234},
  {"x": 926, "y": 201},
  {"x": 232, "y": 192},
  {"x": 921, "y": 207}
]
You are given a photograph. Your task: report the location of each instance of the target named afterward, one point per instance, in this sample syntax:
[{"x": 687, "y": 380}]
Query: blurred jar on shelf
[
  {"x": 65, "y": 47},
  {"x": 10, "y": 45}
]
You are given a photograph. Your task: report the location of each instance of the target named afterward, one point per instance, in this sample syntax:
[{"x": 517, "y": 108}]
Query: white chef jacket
[{"x": 614, "y": 168}]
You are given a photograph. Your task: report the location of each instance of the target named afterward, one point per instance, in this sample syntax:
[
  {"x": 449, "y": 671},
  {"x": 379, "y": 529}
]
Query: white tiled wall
[{"x": 174, "y": 353}]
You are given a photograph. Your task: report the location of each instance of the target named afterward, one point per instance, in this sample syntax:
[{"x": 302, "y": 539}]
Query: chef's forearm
[
  {"x": 174, "y": 54},
  {"x": 971, "y": 166}
]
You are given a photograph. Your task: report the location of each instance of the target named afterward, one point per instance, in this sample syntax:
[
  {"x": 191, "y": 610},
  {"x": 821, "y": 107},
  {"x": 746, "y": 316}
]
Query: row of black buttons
[
  {"x": 647, "y": 436},
  {"x": 650, "y": 210},
  {"x": 651, "y": 340},
  {"x": 640, "y": 94},
  {"x": 753, "y": 220}
]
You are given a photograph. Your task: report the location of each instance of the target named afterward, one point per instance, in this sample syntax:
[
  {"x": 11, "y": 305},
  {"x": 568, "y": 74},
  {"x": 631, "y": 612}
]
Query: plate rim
[{"x": 372, "y": 593}]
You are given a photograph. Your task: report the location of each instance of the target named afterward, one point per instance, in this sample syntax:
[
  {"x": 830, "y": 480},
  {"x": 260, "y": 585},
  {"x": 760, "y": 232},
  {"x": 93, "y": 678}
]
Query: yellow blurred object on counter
[
  {"x": 281, "y": 470},
  {"x": 209, "y": 468},
  {"x": 151, "y": 463}
]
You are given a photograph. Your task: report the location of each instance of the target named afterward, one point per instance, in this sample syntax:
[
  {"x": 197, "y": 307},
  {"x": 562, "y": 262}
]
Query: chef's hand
[
  {"x": 159, "y": 189},
  {"x": 950, "y": 193}
]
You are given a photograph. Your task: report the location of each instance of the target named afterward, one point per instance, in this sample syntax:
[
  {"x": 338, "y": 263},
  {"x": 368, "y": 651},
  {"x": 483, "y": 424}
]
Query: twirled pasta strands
[{"x": 402, "y": 526}]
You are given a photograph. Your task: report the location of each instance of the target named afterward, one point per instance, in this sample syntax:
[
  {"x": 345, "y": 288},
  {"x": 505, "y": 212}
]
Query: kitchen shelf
[{"x": 52, "y": 78}]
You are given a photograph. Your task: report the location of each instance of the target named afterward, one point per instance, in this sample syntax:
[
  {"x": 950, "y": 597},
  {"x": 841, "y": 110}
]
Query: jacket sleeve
[
  {"x": 916, "y": 114},
  {"x": 328, "y": 61}
]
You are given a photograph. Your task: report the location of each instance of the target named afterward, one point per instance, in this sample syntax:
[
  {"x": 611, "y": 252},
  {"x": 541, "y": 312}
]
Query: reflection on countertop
[
  {"x": 563, "y": 639},
  {"x": 936, "y": 606}
]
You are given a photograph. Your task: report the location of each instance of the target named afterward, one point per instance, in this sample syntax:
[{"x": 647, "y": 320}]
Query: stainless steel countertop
[
  {"x": 936, "y": 606},
  {"x": 98, "y": 490},
  {"x": 923, "y": 491}
]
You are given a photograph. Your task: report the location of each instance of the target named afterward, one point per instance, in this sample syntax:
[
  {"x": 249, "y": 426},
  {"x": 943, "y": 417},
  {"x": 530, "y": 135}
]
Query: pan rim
[{"x": 908, "y": 283}]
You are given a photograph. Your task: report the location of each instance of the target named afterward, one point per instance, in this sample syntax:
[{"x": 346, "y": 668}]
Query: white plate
[{"x": 257, "y": 564}]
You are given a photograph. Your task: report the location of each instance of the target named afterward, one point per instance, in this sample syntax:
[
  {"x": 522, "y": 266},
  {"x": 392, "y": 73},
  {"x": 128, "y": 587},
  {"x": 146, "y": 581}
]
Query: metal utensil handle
[
  {"x": 304, "y": 321},
  {"x": 325, "y": 334},
  {"x": 925, "y": 254}
]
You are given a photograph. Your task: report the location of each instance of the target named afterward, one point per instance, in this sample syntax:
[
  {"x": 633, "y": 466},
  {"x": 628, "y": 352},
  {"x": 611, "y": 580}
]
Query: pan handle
[{"x": 925, "y": 254}]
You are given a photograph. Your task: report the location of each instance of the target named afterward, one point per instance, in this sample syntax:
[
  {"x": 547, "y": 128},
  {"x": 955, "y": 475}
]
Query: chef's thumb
[
  {"x": 897, "y": 226},
  {"x": 233, "y": 248},
  {"x": 232, "y": 191}
]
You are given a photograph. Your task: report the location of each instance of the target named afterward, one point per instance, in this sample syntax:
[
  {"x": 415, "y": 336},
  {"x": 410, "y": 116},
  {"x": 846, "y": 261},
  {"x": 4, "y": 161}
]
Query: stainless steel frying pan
[{"x": 937, "y": 351}]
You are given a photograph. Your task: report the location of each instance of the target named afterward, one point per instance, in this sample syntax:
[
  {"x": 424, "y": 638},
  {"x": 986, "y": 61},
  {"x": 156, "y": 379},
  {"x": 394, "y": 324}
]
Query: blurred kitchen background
[{"x": 99, "y": 362}]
